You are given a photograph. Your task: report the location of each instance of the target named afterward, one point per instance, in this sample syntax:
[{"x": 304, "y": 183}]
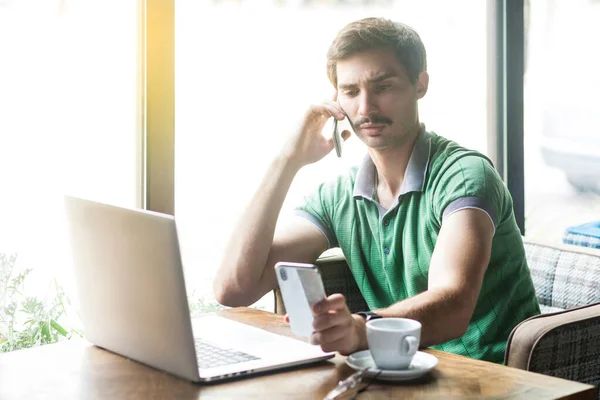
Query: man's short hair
[{"x": 378, "y": 33}]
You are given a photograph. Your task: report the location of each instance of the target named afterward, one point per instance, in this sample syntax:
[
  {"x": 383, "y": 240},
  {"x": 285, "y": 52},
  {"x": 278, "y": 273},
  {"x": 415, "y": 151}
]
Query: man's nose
[{"x": 367, "y": 105}]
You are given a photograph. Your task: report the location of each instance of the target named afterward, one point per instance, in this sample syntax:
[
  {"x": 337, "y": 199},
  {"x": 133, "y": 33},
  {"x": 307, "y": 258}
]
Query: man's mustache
[{"x": 372, "y": 120}]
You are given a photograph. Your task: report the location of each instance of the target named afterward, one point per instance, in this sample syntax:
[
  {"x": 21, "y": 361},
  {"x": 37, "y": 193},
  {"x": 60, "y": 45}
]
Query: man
[{"x": 427, "y": 226}]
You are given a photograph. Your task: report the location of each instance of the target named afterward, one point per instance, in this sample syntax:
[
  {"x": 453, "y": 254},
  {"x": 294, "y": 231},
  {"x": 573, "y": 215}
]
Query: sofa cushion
[
  {"x": 563, "y": 277},
  {"x": 549, "y": 309}
]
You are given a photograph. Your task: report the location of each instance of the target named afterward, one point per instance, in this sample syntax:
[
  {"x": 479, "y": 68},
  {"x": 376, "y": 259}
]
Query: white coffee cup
[{"x": 393, "y": 342}]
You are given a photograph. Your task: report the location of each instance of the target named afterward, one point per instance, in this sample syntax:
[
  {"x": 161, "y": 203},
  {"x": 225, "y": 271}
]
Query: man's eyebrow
[
  {"x": 377, "y": 79},
  {"x": 383, "y": 77}
]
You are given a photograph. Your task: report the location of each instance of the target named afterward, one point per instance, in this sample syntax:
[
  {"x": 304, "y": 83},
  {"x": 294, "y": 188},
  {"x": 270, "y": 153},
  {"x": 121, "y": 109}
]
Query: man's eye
[
  {"x": 381, "y": 88},
  {"x": 351, "y": 93}
]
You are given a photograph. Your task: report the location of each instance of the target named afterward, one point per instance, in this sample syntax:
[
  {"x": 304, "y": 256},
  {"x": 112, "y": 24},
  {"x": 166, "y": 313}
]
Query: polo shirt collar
[{"x": 414, "y": 177}]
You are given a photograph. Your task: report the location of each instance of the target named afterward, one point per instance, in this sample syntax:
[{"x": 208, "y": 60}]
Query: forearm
[
  {"x": 456, "y": 274},
  {"x": 442, "y": 313},
  {"x": 239, "y": 280}
]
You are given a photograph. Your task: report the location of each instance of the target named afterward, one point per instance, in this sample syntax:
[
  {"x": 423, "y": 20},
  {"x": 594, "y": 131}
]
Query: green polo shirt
[{"x": 389, "y": 251}]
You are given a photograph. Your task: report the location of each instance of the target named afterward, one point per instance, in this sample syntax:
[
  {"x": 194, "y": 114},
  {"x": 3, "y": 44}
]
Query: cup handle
[{"x": 410, "y": 345}]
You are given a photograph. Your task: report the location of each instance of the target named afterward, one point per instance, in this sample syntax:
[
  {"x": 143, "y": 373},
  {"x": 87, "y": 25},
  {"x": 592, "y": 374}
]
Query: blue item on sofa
[{"x": 587, "y": 235}]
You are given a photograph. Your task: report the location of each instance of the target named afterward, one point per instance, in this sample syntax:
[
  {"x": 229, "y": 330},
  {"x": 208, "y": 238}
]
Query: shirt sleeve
[
  {"x": 317, "y": 209},
  {"x": 469, "y": 182}
]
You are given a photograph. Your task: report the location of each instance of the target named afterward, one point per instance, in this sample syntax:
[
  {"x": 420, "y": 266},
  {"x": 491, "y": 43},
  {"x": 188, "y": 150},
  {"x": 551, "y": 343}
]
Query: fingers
[
  {"x": 334, "y": 302},
  {"x": 329, "y": 336},
  {"x": 333, "y": 326},
  {"x": 326, "y": 321},
  {"x": 328, "y": 109},
  {"x": 340, "y": 337},
  {"x": 330, "y": 314},
  {"x": 340, "y": 346},
  {"x": 339, "y": 112}
]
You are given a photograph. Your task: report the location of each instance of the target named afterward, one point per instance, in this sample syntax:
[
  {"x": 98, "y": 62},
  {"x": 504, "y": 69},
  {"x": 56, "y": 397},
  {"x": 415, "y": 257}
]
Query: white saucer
[{"x": 421, "y": 364}]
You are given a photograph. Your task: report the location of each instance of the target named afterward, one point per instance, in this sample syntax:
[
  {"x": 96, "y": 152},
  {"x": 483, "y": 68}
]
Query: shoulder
[
  {"x": 450, "y": 161},
  {"x": 462, "y": 178}
]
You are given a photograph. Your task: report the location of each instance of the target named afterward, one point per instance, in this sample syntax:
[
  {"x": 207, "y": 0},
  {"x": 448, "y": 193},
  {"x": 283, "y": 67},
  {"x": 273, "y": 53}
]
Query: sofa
[{"x": 563, "y": 341}]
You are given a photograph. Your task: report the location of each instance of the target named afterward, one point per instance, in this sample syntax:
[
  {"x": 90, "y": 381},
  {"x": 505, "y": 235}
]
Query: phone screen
[{"x": 312, "y": 285}]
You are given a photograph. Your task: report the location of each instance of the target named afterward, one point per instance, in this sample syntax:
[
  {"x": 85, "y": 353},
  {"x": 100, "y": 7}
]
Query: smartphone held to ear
[
  {"x": 301, "y": 287},
  {"x": 337, "y": 137}
]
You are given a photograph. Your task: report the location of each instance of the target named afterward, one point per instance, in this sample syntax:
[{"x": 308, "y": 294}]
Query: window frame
[
  {"x": 506, "y": 69},
  {"x": 157, "y": 104}
]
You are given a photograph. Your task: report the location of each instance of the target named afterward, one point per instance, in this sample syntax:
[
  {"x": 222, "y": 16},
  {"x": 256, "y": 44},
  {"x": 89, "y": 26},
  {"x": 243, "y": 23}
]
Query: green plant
[
  {"x": 27, "y": 321},
  {"x": 201, "y": 306}
]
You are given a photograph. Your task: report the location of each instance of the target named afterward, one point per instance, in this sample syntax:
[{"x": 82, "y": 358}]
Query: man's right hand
[
  {"x": 246, "y": 272},
  {"x": 308, "y": 145}
]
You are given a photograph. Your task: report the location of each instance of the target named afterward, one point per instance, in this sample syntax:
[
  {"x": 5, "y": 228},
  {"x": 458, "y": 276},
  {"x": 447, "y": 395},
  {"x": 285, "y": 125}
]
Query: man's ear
[{"x": 422, "y": 84}]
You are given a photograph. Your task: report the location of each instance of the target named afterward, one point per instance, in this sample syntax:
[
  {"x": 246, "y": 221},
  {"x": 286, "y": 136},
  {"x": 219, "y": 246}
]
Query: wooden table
[{"x": 79, "y": 370}]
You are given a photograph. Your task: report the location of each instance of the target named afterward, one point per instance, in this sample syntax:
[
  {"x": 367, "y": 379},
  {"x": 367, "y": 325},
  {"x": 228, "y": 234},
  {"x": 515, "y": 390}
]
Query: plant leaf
[{"x": 58, "y": 327}]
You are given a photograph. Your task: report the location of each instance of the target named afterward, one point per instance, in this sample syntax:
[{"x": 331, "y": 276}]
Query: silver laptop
[{"x": 133, "y": 300}]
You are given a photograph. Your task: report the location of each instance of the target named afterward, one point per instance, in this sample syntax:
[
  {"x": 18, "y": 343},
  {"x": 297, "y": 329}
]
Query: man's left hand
[{"x": 336, "y": 329}]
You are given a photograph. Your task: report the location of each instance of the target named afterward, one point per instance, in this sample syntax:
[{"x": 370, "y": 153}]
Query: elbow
[
  {"x": 224, "y": 294},
  {"x": 459, "y": 317},
  {"x": 432, "y": 335},
  {"x": 220, "y": 294},
  {"x": 229, "y": 295},
  {"x": 444, "y": 330},
  {"x": 223, "y": 288},
  {"x": 458, "y": 327},
  {"x": 459, "y": 330}
]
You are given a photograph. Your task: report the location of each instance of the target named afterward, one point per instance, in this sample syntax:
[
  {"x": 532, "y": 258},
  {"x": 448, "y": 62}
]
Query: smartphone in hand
[
  {"x": 301, "y": 287},
  {"x": 337, "y": 138}
]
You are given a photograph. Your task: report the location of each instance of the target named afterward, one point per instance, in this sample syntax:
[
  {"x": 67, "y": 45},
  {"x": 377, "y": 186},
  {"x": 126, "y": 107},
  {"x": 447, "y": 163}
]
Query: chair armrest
[
  {"x": 337, "y": 278},
  {"x": 565, "y": 344}
]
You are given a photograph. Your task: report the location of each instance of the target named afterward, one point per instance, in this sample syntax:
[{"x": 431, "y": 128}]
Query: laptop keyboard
[{"x": 210, "y": 356}]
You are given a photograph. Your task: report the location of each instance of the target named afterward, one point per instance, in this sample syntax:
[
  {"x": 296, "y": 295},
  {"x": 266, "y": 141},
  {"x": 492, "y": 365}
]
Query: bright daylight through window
[
  {"x": 67, "y": 125},
  {"x": 562, "y": 120},
  {"x": 246, "y": 71}
]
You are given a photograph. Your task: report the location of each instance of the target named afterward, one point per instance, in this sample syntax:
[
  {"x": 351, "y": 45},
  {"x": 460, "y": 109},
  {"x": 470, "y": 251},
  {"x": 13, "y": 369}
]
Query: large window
[
  {"x": 246, "y": 71},
  {"x": 562, "y": 117},
  {"x": 68, "y": 74}
]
